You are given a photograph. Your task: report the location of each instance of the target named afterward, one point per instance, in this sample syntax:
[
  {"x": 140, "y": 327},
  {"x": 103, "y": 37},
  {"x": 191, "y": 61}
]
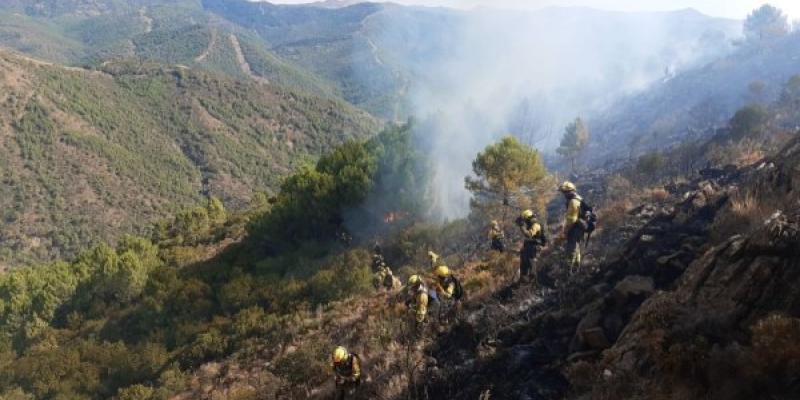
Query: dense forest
[{"x": 90, "y": 155}]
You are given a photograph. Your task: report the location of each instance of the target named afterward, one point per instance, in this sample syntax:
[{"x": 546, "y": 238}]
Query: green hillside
[
  {"x": 132, "y": 321},
  {"x": 86, "y": 155},
  {"x": 181, "y": 32}
]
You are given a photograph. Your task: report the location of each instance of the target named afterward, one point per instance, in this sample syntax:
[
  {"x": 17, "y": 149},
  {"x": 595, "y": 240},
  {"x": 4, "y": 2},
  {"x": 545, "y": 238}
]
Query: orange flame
[{"x": 392, "y": 217}]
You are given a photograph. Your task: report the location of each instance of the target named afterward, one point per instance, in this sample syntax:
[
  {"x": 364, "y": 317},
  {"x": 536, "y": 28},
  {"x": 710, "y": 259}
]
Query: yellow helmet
[
  {"x": 495, "y": 223},
  {"x": 414, "y": 279},
  {"x": 442, "y": 271},
  {"x": 339, "y": 354},
  {"x": 527, "y": 214},
  {"x": 567, "y": 186}
]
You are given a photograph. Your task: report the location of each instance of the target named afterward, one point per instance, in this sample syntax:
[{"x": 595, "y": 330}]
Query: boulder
[{"x": 632, "y": 285}]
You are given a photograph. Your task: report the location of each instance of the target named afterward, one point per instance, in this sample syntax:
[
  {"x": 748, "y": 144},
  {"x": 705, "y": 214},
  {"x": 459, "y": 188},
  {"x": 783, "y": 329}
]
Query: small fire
[{"x": 393, "y": 216}]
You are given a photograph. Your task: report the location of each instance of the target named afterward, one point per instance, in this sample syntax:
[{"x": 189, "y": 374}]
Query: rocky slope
[
  {"x": 691, "y": 105},
  {"x": 683, "y": 311},
  {"x": 700, "y": 302}
]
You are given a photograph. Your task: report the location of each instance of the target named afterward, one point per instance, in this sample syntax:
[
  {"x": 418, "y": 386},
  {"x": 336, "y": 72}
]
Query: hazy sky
[{"x": 722, "y": 8}]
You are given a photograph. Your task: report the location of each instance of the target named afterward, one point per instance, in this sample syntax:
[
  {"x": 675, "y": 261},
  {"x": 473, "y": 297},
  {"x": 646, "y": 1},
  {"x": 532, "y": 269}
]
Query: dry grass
[
  {"x": 744, "y": 206},
  {"x": 618, "y": 187},
  {"x": 656, "y": 195},
  {"x": 615, "y": 213},
  {"x": 776, "y": 343},
  {"x": 748, "y": 156},
  {"x": 744, "y": 212}
]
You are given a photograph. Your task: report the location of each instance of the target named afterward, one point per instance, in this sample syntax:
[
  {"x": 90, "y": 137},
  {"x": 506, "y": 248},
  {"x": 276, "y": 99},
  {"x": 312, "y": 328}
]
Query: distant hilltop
[{"x": 336, "y": 3}]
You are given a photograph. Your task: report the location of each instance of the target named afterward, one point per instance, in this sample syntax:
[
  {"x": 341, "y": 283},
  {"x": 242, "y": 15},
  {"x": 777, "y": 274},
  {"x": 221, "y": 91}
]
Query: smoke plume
[{"x": 475, "y": 76}]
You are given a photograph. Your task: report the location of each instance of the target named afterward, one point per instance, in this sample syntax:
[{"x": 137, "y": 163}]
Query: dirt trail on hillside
[
  {"x": 44, "y": 63},
  {"x": 211, "y": 43},
  {"x": 243, "y": 64}
]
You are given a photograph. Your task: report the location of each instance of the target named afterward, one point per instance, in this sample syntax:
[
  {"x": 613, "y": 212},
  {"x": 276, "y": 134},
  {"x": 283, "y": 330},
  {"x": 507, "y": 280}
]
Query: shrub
[
  {"x": 16, "y": 394},
  {"x": 658, "y": 195},
  {"x": 135, "y": 392},
  {"x": 618, "y": 187},
  {"x": 306, "y": 365},
  {"x": 744, "y": 212},
  {"x": 650, "y": 165},
  {"x": 206, "y": 346},
  {"x": 253, "y": 321},
  {"x": 237, "y": 294},
  {"x": 749, "y": 121},
  {"x": 347, "y": 275}
]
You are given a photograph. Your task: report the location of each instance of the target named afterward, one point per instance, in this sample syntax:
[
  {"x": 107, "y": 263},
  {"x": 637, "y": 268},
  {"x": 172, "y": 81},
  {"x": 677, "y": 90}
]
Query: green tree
[
  {"x": 790, "y": 95},
  {"x": 765, "y": 23},
  {"x": 749, "y": 121},
  {"x": 313, "y": 202},
  {"x": 508, "y": 172},
  {"x": 574, "y": 141},
  {"x": 216, "y": 211},
  {"x": 650, "y": 164}
]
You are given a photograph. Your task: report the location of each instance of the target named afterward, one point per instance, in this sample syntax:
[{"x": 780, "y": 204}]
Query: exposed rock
[{"x": 632, "y": 286}]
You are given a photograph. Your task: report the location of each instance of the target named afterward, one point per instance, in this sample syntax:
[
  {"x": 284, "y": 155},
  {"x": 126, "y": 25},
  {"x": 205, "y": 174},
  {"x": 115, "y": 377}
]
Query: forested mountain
[
  {"x": 375, "y": 56},
  {"x": 90, "y": 33},
  {"x": 202, "y": 199},
  {"x": 87, "y": 155},
  {"x": 297, "y": 60},
  {"x": 378, "y": 54}
]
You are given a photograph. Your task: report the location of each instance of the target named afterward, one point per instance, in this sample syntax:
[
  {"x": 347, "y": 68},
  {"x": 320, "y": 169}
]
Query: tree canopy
[
  {"x": 574, "y": 141},
  {"x": 749, "y": 121},
  {"x": 508, "y": 173},
  {"x": 358, "y": 181},
  {"x": 764, "y": 23}
]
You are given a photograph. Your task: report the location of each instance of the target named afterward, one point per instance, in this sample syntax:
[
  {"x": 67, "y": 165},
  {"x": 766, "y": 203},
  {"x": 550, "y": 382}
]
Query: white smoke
[{"x": 474, "y": 72}]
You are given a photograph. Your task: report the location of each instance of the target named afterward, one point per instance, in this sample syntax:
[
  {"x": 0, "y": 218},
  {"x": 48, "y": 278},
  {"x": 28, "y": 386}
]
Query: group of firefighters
[{"x": 446, "y": 291}]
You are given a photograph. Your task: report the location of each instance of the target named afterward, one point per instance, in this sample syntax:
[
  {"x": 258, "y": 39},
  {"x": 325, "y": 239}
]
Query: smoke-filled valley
[{"x": 226, "y": 199}]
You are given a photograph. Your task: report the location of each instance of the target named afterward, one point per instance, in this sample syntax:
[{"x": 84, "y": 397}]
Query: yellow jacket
[
  {"x": 445, "y": 290},
  {"x": 419, "y": 302},
  {"x": 573, "y": 213},
  {"x": 348, "y": 371},
  {"x": 421, "y": 308},
  {"x": 533, "y": 232},
  {"x": 495, "y": 233}
]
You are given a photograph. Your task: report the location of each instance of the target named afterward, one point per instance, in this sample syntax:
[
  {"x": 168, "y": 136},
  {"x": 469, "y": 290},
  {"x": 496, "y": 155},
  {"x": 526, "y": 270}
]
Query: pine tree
[
  {"x": 574, "y": 141},
  {"x": 764, "y": 23},
  {"x": 508, "y": 172}
]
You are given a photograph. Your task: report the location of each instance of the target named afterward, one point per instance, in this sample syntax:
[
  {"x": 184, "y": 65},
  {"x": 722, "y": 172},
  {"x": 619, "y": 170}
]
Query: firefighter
[
  {"x": 417, "y": 301},
  {"x": 449, "y": 293},
  {"x": 347, "y": 371},
  {"x": 378, "y": 261},
  {"x": 579, "y": 220},
  {"x": 385, "y": 279},
  {"x": 533, "y": 241},
  {"x": 496, "y": 237}
]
